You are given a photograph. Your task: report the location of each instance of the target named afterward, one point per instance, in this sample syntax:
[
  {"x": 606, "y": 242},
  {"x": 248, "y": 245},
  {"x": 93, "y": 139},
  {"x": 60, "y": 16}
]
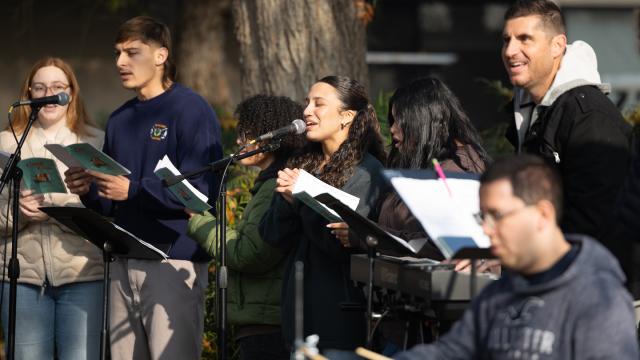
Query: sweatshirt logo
[
  {"x": 159, "y": 132},
  {"x": 518, "y": 332}
]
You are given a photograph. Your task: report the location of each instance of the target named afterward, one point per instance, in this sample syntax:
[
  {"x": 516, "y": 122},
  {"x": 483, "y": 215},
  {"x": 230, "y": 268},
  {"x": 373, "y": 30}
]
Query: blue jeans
[{"x": 66, "y": 319}]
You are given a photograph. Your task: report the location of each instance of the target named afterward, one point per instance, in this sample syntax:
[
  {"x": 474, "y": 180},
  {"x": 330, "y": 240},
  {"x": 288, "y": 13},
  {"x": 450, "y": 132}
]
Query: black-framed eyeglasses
[{"x": 493, "y": 217}]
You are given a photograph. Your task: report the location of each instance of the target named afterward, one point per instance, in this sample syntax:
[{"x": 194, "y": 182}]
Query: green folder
[
  {"x": 41, "y": 175},
  {"x": 86, "y": 156}
]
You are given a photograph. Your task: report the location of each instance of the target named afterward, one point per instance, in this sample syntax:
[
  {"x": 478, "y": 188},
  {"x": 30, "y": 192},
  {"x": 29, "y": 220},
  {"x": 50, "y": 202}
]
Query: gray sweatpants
[{"x": 157, "y": 309}]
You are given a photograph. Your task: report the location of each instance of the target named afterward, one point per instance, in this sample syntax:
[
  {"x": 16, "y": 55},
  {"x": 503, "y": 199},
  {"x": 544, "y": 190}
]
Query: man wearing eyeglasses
[{"x": 560, "y": 296}]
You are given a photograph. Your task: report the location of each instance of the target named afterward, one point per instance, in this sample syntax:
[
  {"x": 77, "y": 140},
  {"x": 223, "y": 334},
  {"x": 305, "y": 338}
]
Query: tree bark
[
  {"x": 205, "y": 53},
  {"x": 286, "y": 45}
]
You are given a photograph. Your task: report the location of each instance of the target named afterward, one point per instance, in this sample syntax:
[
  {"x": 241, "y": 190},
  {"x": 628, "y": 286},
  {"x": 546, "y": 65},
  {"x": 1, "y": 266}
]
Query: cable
[{"x": 6, "y": 236}]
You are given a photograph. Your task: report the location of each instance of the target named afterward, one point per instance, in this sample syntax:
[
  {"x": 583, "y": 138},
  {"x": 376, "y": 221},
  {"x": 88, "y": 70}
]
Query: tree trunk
[
  {"x": 205, "y": 47},
  {"x": 286, "y": 45}
]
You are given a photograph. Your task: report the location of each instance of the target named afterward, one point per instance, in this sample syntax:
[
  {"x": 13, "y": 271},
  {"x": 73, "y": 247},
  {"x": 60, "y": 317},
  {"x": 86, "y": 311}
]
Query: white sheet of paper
[
  {"x": 313, "y": 186},
  {"x": 165, "y": 162},
  {"x": 155, "y": 249},
  {"x": 403, "y": 242},
  {"x": 443, "y": 215},
  {"x": 63, "y": 155}
]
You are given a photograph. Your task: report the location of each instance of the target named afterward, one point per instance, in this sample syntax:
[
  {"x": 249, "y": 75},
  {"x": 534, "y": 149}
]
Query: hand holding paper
[
  {"x": 308, "y": 186},
  {"x": 78, "y": 180},
  {"x": 110, "y": 186},
  {"x": 188, "y": 195},
  {"x": 29, "y": 204}
]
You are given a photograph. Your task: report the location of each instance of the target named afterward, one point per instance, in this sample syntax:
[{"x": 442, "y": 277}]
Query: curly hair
[
  {"x": 364, "y": 136},
  {"x": 262, "y": 113},
  {"x": 432, "y": 121}
]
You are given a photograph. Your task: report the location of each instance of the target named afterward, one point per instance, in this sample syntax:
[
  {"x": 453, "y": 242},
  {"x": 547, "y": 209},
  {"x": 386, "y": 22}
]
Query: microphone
[
  {"x": 58, "y": 99},
  {"x": 297, "y": 127}
]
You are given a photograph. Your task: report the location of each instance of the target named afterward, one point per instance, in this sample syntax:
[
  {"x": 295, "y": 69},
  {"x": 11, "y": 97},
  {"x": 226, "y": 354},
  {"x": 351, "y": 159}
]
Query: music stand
[
  {"x": 112, "y": 240},
  {"x": 375, "y": 238},
  {"x": 471, "y": 253}
]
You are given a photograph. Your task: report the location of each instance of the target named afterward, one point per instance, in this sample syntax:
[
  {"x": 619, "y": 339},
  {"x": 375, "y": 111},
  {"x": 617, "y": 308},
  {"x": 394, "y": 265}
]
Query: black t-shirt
[{"x": 557, "y": 269}]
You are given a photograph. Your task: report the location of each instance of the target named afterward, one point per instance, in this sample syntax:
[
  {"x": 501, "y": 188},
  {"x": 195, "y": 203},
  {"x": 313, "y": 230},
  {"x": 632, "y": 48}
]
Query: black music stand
[
  {"x": 375, "y": 239},
  {"x": 471, "y": 253},
  {"x": 378, "y": 239},
  {"x": 112, "y": 240}
]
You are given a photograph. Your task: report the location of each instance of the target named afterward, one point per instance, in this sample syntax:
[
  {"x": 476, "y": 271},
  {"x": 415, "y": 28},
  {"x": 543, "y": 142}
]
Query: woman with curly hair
[
  {"x": 255, "y": 268},
  {"x": 344, "y": 150}
]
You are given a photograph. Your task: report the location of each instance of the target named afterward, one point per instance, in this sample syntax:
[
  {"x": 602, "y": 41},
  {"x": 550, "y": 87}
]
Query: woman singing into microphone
[
  {"x": 59, "y": 295},
  {"x": 345, "y": 151}
]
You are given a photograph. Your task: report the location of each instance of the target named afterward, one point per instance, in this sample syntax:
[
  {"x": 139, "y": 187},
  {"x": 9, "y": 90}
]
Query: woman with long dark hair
[
  {"x": 344, "y": 150},
  {"x": 426, "y": 122}
]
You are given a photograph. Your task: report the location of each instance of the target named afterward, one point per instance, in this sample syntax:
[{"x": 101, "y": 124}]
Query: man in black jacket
[{"x": 562, "y": 114}]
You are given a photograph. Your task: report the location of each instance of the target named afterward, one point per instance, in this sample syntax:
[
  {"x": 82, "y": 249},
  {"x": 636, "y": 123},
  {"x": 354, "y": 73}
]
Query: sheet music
[
  {"x": 190, "y": 197},
  {"x": 86, "y": 156},
  {"x": 151, "y": 247},
  {"x": 444, "y": 216},
  {"x": 308, "y": 186},
  {"x": 60, "y": 152}
]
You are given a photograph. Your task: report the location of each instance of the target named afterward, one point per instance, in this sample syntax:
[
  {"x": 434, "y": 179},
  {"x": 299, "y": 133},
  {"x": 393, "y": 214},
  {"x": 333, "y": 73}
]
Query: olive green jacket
[{"x": 255, "y": 267}]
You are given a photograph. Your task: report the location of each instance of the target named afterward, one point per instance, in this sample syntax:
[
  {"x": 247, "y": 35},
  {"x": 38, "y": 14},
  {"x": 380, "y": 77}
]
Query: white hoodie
[{"x": 579, "y": 66}]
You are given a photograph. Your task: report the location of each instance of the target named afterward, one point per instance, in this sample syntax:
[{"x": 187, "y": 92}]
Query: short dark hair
[
  {"x": 150, "y": 30},
  {"x": 531, "y": 178},
  {"x": 260, "y": 114},
  {"x": 549, "y": 12}
]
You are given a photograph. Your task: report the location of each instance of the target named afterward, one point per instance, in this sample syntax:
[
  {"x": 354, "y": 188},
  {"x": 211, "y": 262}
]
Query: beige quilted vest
[{"x": 48, "y": 250}]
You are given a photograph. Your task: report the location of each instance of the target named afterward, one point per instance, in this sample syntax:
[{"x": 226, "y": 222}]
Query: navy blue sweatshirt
[
  {"x": 584, "y": 313},
  {"x": 177, "y": 123}
]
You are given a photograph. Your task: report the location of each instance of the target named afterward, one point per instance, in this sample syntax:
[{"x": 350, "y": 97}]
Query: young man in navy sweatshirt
[
  {"x": 156, "y": 306},
  {"x": 559, "y": 297}
]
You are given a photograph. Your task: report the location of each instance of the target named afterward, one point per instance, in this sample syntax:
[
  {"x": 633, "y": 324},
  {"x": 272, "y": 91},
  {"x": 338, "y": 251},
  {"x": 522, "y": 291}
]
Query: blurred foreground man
[{"x": 559, "y": 297}]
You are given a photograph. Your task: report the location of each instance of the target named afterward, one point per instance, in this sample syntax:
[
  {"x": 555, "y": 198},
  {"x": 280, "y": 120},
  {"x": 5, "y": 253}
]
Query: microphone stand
[
  {"x": 13, "y": 173},
  {"x": 221, "y": 271}
]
